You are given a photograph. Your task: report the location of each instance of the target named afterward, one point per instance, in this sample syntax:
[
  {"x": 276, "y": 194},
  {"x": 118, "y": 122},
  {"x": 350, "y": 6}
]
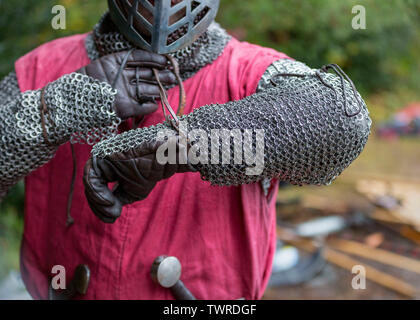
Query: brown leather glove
[
  {"x": 136, "y": 172},
  {"x": 131, "y": 74}
]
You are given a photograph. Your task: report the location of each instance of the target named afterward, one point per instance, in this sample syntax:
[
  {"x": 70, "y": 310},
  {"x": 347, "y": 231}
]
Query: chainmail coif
[
  {"x": 315, "y": 125},
  {"x": 203, "y": 51}
]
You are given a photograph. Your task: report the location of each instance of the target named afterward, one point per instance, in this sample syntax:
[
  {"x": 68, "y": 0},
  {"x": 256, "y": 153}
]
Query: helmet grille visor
[{"x": 163, "y": 26}]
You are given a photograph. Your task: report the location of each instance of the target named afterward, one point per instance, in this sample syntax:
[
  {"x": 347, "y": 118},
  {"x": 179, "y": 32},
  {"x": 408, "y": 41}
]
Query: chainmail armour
[
  {"x": 81, "y": 107},
  {"x": 9, "y": 88},
  {"x": 309, "y": 137},
  {"x": 307, "y": 129}
]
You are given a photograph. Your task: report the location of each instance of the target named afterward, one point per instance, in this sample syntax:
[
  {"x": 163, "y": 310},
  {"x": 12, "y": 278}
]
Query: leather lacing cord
[
  {"x": 70, "y": 219},
  {"x": 174, "y": 121},
  {"x": 162, "y": 91},
  {"x": 172, "y": 118},
  {"x": 341, "y": 74},
  {"x": 44, "y": 111}
]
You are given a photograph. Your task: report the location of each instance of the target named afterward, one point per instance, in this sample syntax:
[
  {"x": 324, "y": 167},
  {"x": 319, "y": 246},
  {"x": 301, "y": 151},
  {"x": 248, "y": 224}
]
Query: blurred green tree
[
  {"x": 314, "y": 31},
  {"x": 384, "y": 55},
  {"x": 26, "y": 24}
]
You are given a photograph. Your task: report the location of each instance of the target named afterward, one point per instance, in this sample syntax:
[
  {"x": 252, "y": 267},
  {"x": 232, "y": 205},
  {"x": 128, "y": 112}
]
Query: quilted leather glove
[
  {"x": 130, "y": 73},
  {"x": 136, "y": 172}
]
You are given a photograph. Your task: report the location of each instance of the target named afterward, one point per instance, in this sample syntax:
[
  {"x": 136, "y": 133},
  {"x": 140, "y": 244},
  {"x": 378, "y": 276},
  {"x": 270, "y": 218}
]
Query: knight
[{"x": 105, "y": 88}]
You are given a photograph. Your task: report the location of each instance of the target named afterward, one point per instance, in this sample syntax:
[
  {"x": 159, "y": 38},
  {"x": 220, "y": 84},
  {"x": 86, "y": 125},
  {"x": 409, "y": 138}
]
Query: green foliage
[
  {"x": 26, "y": 24},
  {"x": 318, "y": 32},
  {"x": 11, "y": 227}
]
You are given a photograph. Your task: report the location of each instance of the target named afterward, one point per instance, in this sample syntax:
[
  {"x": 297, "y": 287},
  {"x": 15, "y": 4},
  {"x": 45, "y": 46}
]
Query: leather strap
[
  {"x": 44, "y": 110},
  {"x": 182, "y": 95}
]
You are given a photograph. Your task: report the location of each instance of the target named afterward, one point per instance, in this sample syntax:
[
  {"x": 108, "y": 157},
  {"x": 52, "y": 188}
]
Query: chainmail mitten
[{"x": 306, "y": 127}]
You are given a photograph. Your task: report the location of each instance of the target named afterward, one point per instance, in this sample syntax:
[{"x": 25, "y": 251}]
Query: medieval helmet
[{"x": 162, "y": 26}]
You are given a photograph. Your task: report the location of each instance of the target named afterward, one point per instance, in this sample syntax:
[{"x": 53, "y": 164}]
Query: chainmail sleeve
[
  {"x": 9, "y": 88},
  {"x": 78, "y": 108},
  {"x": 314, "y": 124}
]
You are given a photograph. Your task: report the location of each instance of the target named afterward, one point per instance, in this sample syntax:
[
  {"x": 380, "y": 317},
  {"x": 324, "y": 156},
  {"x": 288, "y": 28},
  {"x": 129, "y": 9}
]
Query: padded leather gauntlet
[
  {"x": 130, "y": 74},
  {"x": 137, "y": 171}
]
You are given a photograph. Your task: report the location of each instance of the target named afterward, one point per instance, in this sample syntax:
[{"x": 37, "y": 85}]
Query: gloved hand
[
  {"x": 130, "y": 73},
  {"x": 136, "y": 172}
]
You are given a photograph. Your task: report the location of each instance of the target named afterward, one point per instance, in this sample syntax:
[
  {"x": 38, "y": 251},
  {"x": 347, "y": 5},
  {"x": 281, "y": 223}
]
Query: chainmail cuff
[
  {"x": 81, "y": 109},
  {"x": 76, "y": 108}
]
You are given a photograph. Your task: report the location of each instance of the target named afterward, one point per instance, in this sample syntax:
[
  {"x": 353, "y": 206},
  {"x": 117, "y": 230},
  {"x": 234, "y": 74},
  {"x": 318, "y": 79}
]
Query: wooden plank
[
  {"x": 373, "y": 274},
  {"x": 375, "y": 254},
  {"x": 346, "y": 262}
]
